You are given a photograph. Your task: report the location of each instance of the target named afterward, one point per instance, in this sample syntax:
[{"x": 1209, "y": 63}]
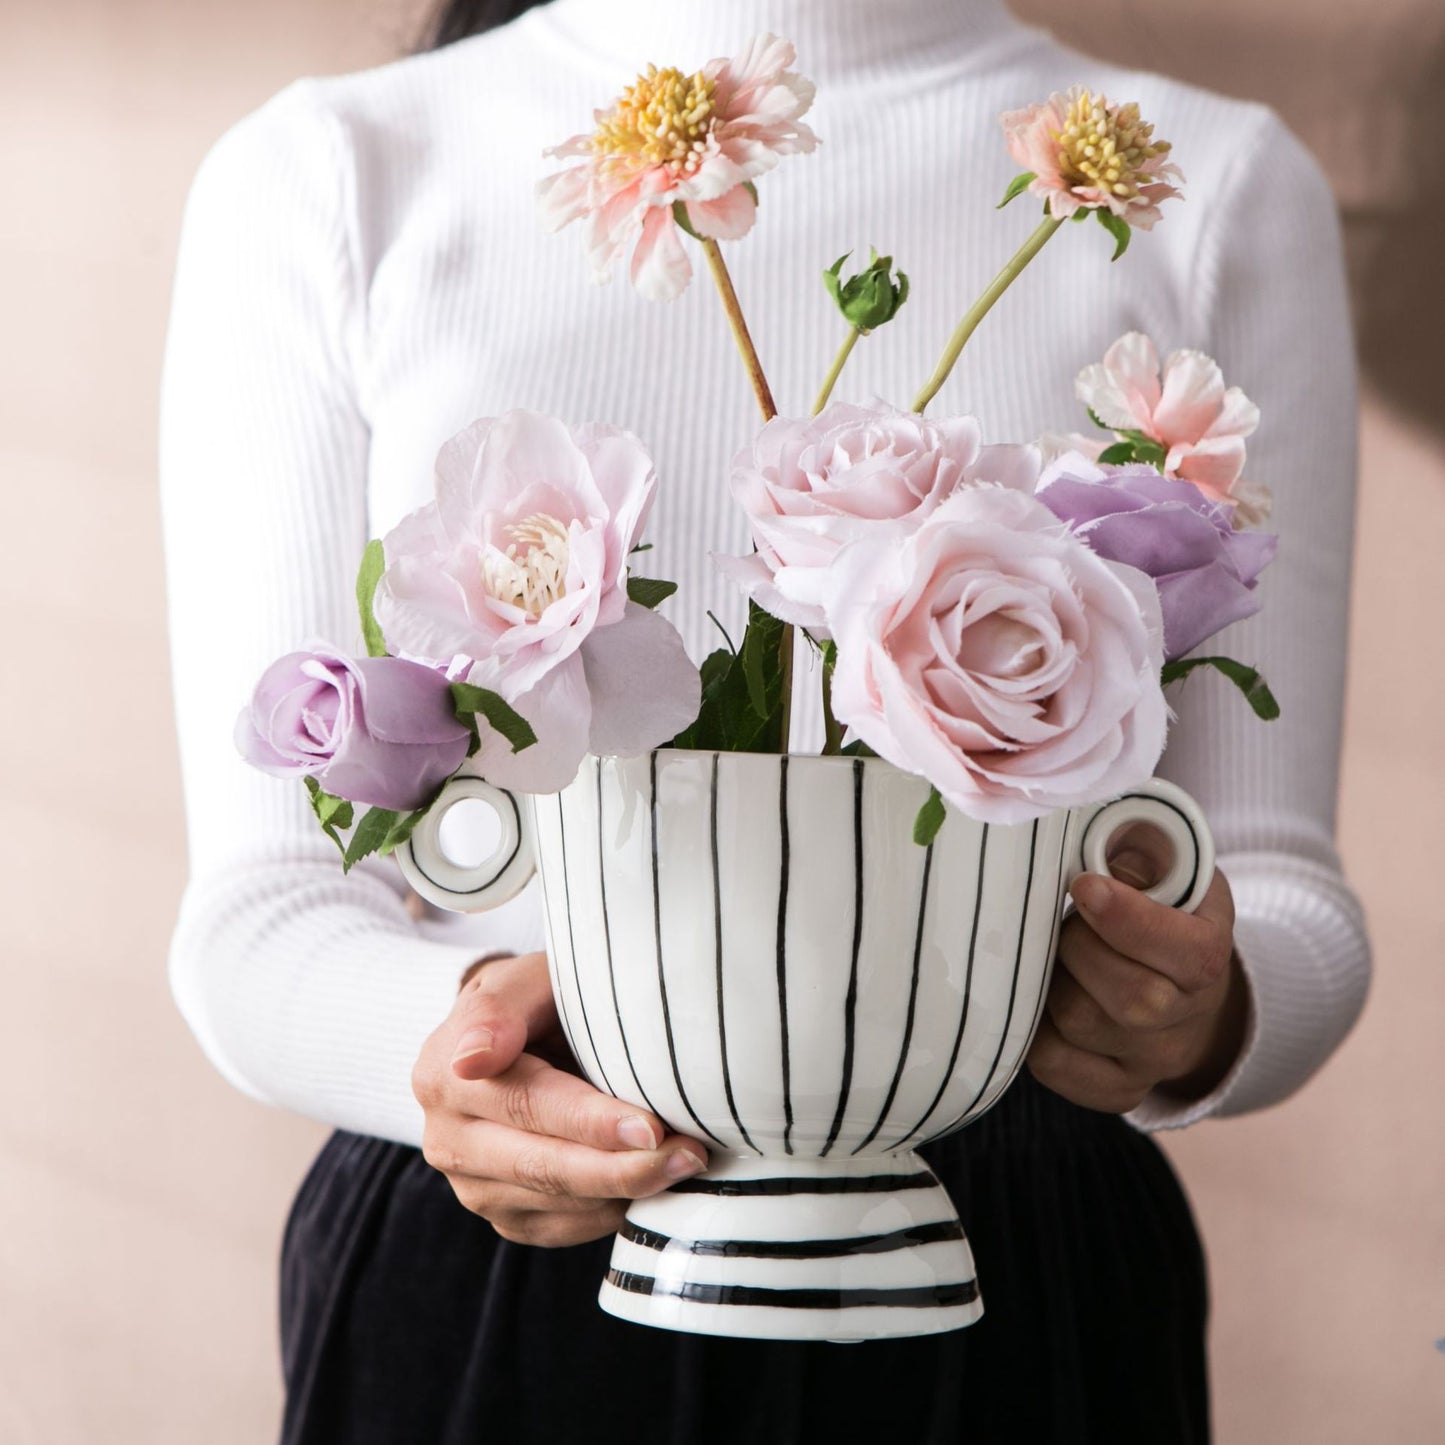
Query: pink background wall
[{"x": 141, "y": 1199}]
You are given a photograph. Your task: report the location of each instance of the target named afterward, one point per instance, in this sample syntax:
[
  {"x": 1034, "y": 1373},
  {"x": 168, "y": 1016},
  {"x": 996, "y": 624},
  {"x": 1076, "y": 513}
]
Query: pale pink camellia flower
[
  {"x": 997, "y": 656},
  {"x": 809, "y": 486},
  {"x": 1087, "y": 151},
  {"x": 1187, "y": 409},
  {"x": 515, "y": 579},
  {"x": 670, "y": 138}
]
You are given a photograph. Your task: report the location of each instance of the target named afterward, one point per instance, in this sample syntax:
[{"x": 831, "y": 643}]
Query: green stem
[
  {"x": 982, "y": 306},
  {"x": 839, "y": 362},
  {"x": 832, "y": 731},
  {"x": 763, "y": 392},
  {"x": 739, "y": 326}
]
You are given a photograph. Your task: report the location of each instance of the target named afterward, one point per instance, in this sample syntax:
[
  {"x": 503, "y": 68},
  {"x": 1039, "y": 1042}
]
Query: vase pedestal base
[{"x": 797, "y": 1249}]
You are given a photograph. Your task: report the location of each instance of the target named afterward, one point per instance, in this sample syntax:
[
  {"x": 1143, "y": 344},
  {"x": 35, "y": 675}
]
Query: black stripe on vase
[
  {"x": 661, "y": 973},
  {"x": 912, "y": 1001},
  {"x": 572, "y": 943},
  {"x": 1061, "y": 874},
  {"x": 722, "y": 1026},
  {"x": 935, "y": 1232},
  {"x": 850, "y": 1004},
  {"x": 940, "y": 1296},
  {"x": 779, "y": 1184},
  {"x": 1013, "y": 989},
  {"x": 783, "y": 953},
  {"x": 967, "y": 990},
  {"x": 607, "y": 943},
  {"x": 554, "y": 936}
]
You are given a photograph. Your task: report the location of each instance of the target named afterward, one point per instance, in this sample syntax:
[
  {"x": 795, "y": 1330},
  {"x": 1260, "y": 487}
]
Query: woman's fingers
[
  {"x": 1093, "y": 1081},
  {"x": 558, "y": 1168},
  {"x": 504, "y": 1005}
]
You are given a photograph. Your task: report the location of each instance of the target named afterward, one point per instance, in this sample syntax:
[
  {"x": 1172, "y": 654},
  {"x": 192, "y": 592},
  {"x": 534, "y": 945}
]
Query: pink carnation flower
[
  {"x": 515, "y": 578},
  {"x": 997, "y": 656},
  {"x": 672, "y": 138},
  {"x": 1087, "y": 151},
  {"x": 811, "y": 485},
  {"x": 1187, "y": 410}
]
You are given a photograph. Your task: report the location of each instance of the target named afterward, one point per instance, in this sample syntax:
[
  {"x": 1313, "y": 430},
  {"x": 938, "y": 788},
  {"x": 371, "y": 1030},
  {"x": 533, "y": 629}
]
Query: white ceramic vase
[{"x": 754, "y": 948}]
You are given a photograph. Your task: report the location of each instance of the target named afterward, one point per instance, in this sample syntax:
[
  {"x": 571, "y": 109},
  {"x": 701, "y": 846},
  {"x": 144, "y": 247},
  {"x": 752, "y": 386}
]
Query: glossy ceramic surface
[{"x": 754, "y": 948}]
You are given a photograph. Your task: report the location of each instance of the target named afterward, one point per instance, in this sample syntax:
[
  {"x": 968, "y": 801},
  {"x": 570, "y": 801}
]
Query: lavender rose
[
  {"x": 1205, "y": 571},
  {"x": 375, "y": 730},
  {"x": 811, "y": 485},
  {"x": 999, "y": 658}
]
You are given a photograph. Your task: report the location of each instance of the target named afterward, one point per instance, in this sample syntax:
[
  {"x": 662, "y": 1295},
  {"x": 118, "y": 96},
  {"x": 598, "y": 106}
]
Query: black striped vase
[{"x": 754, "y": 948}]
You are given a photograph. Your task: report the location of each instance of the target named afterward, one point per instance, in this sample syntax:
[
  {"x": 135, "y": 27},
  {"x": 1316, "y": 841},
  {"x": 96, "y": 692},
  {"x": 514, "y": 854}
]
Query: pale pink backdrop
[{"x": 141, "y": 1199}]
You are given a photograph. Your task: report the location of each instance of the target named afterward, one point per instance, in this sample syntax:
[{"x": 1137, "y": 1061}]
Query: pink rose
[
  {"x": 999, "y": 658},
  {"x": 1186, "y": 408},
  {"x": 812, "y": 485},
  {"x": 515, "y": 578}
]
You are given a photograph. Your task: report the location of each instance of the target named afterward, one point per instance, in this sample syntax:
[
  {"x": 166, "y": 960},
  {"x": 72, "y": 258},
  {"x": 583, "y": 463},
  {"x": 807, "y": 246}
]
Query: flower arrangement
[{"x": 1001, "y": 619}]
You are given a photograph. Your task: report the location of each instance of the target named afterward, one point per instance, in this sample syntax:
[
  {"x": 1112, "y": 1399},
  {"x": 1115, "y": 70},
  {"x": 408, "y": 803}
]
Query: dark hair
[{"x": 456, "y": 19}]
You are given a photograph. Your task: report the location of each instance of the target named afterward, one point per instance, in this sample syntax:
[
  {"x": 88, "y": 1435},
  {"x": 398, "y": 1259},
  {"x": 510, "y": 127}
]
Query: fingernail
[
  {"x": 474, "y": 1041},
  {"x": 683, "y": 1164},
  {"x": 1091, "y": 892},
  {"x": 636, "y": 1133}
]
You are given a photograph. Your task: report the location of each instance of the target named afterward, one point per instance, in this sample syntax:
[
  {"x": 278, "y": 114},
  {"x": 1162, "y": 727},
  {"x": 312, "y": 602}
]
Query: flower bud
[{"x": 871, "y": 297}]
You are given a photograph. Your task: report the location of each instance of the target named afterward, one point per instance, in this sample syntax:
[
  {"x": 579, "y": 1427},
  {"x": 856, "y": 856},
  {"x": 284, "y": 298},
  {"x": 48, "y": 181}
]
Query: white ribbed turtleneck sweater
[{"x": 362, "y": 273}]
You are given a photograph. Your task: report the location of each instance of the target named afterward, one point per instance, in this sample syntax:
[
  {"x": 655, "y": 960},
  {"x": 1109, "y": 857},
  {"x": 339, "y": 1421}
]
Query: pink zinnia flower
[
  {"x": 1187, "y": 409},
  {"x": 672, "y": 138},
  {"x": 1087, "y": 151}
]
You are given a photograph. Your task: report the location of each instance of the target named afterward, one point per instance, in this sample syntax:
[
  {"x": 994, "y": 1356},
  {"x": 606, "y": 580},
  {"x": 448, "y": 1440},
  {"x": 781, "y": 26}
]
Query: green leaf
[
  {"x": 640, "y": 547},
  {"x": 371, "y": 832},
  {"x": 833, "y": 278},
  {"x": 929, "y": 820},
  {"x": 649, "y": 591},
  {"x": 468, "y": 701},
  {"x": 331, "y": 812},
  {"x": 679, "y": 214},
  {"x": 1016, "y": 187},
  {"x": 1118, "y": 454},
  {"x": 729, "y": 718},
  {"x": 872, "y": 297},
  {"x": 1246, "y": 679},
  {"x": 1098, "y": 420},
  {"x": 752, "y": 190},
  {"x": 400, "y": 831},
  {"x": 857, "y": 749},
  {"x": 373, "y": 564},
  {"x": 1117, "y": 227}
]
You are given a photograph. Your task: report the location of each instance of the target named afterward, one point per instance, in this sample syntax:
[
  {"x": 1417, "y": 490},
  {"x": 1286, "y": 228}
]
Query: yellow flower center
[
  {"x": 532, "y": 572},
  {"x": 1106, "y": 145},
  {"x": 661, "y": 119}
]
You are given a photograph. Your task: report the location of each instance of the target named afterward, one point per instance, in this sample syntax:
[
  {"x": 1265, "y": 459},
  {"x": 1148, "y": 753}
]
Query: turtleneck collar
[{"x": 835, "y": 38}]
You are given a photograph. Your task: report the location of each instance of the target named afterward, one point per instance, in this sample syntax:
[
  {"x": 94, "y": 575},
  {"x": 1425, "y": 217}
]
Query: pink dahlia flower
[
  {"x": 997, "y": 656},
  {"x": 672, "y": 138},
  {"x": 811, "y": 485},
  {"x": 515, "y": 578},
  {"x": 1087, "y": 151},
  {"x": 1187, "y": 409}
]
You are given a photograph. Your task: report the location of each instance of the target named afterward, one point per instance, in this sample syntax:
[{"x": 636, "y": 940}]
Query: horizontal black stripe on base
[
  {"x": 921, "y": 1297},
  {"x": 833, "y": 1184},
  {"x": 941, "y": 1229}
]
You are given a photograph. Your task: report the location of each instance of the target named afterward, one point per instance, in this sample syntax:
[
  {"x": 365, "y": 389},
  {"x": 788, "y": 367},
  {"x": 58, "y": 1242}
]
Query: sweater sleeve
[
  {"x": 1270, "y": 274},
  {"x": 306, "y": 989}
]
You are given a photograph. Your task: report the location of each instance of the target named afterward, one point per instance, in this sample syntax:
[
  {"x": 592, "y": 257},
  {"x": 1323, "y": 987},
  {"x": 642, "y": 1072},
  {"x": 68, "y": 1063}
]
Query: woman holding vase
[{"x": 362, "y": 275}]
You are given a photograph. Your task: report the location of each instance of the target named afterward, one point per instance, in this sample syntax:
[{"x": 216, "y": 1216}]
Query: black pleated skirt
[{"x": 407, "y": 1321}]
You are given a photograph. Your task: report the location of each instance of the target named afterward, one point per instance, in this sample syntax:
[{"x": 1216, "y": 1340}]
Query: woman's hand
[
  {"x": 523, "y": 1141},
  {"x": 1143, "y": 996}
]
